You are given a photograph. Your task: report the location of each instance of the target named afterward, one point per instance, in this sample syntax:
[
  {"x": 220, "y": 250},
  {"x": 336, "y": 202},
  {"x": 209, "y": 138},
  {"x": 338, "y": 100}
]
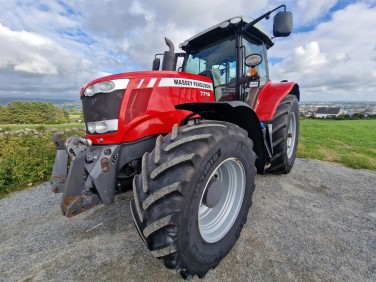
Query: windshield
[{"x": 219, "y": 56}]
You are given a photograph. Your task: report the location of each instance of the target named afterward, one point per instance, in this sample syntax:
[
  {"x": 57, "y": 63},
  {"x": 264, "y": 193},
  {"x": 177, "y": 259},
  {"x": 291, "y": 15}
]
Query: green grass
[
  {"x": 47, "y": 126},
  {"x": 349, "y": 142},
  {"x": 26, "y": 160},
  {"x": 76, "y": 115}
]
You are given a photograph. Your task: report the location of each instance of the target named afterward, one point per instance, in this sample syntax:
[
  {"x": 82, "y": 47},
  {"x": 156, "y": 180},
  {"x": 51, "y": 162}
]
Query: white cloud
[
  {"x": 22, "y": 51},
  {"x": 53, "y": 47},
  {"x": 342, "y": 57},
  {"x": 137, "y": 8},
  {"x": 305, "y": 59},
  {"x": 333, "y": 61},
  {"x": 140, "y": 28},
  {"x": 310, "y": 10},
  {"x": 37, "y": 64}
]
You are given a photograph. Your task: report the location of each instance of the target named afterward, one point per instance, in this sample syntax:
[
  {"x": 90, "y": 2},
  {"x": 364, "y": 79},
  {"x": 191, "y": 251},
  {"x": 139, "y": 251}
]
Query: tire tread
[
  {"x": 159, "y": 190},
  {"x": 279, "y": 161}
]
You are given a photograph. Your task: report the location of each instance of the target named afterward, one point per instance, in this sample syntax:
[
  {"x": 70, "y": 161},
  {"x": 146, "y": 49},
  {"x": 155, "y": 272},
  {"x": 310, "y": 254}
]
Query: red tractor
[{"x": 191, "y": 141}]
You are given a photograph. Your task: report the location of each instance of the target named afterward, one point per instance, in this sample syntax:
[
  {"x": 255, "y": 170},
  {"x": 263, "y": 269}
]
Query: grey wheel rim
[
  {"x": 291, "y": 132},
  {"x": 214, "y": 223}
]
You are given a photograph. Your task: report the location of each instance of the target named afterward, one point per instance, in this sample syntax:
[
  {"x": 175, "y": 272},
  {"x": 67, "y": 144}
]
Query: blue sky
[{"x": 51, "y": 48}]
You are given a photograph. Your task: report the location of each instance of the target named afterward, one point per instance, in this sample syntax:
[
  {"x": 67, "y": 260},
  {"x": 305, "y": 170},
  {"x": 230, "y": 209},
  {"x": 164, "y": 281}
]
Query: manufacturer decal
[{"x": 179, "y": 82}]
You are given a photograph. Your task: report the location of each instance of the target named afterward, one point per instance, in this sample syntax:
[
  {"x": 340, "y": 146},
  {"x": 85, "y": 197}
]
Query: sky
[{"x": 49, "y": 49}]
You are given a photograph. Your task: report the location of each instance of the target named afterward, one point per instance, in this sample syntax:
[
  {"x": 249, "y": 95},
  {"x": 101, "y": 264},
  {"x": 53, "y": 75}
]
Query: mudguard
[
  {"x": 270, "y": 97},
  {"x": 238, "y": 113}
]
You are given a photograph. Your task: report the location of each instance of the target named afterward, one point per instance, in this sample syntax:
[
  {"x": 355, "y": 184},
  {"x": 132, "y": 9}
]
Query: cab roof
[{"x": 215, "y": 33}]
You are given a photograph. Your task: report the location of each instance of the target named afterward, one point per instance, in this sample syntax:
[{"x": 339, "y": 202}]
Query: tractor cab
[
  {"x": 224, "y": 64},
  {"x": 221, "y": 52}
]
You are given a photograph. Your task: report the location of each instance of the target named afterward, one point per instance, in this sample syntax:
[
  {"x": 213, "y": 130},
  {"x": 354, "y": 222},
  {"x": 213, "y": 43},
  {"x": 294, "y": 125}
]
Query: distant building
[{"x": 323, "y": 112}]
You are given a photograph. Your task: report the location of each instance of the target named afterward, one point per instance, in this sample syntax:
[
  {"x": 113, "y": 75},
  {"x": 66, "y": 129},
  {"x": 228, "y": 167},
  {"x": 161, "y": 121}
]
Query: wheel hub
[
  {"x": 221, "y": 200},
  {"x": 213, "y": 193},
  {"x": 291, "y": 132}
]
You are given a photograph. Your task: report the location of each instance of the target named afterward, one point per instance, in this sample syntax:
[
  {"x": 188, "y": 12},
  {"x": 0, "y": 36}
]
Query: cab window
[
  {"x": 252, "y": 46},
  {"x": 219, "y": 59}
]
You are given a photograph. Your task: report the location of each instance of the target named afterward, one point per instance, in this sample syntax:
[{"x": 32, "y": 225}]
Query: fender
[
  {"x": 270, "y": 97},
  {"x": 238, "y": 113}
]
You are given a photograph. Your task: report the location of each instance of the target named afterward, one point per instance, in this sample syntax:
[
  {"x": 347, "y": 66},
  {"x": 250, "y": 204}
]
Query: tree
[
  {"x": 34, "y": 113},
  {"x": 4, "y": 115},
  {"x": 358, "y": 116}
]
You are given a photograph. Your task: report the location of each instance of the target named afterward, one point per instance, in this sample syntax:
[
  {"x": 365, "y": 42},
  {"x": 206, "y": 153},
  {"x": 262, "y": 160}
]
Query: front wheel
[{"x": 193, "y": 195}]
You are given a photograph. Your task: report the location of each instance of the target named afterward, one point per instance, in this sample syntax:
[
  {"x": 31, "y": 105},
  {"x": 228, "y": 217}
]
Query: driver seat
[{"x": 215, "y": 76}]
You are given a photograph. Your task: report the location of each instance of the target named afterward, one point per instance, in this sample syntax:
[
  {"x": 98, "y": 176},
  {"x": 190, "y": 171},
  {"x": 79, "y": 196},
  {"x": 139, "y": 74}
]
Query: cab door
[{"x": 250, "y": 91}]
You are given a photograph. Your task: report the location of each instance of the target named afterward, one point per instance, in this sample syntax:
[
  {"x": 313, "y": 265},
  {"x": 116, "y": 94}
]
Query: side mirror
[
  {"x": 253, "y": 60},
  {"x": 282, "y": 25},
  {"x": 156, "y": 64}
]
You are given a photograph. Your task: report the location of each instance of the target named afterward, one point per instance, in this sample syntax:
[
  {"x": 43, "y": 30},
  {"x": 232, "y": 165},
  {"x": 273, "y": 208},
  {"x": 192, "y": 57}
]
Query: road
[{"x": 316, "y": 223}]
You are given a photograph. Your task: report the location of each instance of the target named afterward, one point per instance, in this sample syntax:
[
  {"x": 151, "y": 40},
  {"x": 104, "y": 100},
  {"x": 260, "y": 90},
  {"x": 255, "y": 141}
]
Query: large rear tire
[
  {"x": 285, "y": 135},
  {"x": 193, "y": 195}
]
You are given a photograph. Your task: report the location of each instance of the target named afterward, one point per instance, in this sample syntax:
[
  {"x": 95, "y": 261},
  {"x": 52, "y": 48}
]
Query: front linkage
[{"x": 91, "y": 177}]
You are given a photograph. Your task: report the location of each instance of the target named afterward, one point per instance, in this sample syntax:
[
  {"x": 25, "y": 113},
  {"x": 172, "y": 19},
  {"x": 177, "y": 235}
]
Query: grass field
[{"x": 349, "y": 142}]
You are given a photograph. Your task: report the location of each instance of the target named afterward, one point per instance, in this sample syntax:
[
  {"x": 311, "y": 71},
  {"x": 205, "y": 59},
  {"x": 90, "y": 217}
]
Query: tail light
[{"x": 137, "y": 103}]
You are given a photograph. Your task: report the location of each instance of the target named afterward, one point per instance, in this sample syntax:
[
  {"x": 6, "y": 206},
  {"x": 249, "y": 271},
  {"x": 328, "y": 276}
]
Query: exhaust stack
[
  {"x": 169, "y": 57},
  {"x": 170, "y": 45}
]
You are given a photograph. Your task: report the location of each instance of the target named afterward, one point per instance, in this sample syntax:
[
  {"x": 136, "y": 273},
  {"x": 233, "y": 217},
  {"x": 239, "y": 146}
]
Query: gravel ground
[{"x": 316, "y": 223}]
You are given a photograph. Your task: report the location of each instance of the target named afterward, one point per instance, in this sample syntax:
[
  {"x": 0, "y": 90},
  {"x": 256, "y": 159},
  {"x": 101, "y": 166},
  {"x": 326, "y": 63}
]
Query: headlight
[
  {"x": 235, "y": 20},
  {"x": 91, "y": 127},
  {"x": 224, "y": 24},
  {"x": 89, "y": 91},
  {"x": 106, "y": 86},
  {"x": 102, "y": 126}
]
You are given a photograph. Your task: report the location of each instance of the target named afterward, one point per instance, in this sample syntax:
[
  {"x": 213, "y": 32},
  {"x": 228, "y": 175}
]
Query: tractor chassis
[{"x": 93, "y": 176}]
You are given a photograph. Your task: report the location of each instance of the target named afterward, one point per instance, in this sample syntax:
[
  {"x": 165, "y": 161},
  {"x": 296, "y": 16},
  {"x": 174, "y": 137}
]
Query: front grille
[{"x": 102, "y": 106}]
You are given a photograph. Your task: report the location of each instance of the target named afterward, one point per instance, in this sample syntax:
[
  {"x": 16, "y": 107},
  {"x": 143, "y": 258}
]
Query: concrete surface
[{"x": 316, "y": 223}]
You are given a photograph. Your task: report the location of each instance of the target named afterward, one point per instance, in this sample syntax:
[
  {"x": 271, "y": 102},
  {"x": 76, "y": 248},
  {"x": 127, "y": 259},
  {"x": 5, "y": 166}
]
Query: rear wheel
[
  {"x": 285, "y": 135},
  {"x": 193, "y": 195}
]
